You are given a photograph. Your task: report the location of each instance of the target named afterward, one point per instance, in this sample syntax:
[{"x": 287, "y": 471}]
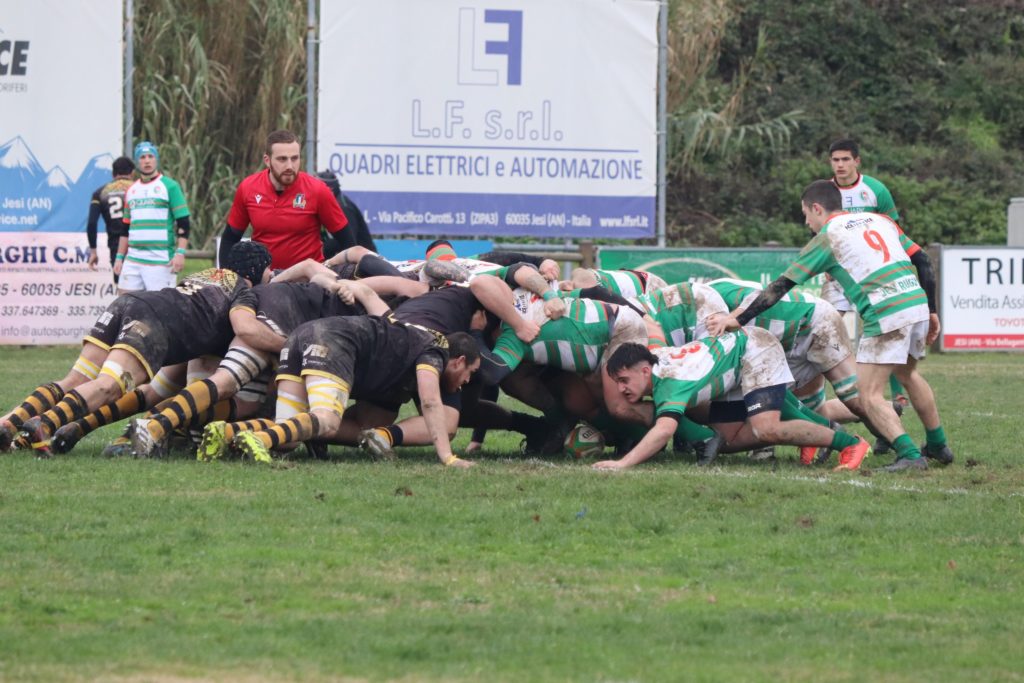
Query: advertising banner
[
  {"x": 474, "y": 117},
  {"x": 982, "y": 299},
  {"x": 57, "y": 60},
  {"x": 760, "y": 265}
]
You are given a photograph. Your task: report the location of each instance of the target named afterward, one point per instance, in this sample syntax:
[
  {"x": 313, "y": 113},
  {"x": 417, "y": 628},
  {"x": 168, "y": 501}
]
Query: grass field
[{"x": 133, "y": 570}]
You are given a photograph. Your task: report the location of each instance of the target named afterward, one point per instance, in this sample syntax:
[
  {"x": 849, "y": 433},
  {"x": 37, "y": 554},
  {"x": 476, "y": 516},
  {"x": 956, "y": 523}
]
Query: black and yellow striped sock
[
  {"x": 70, "y": 408},
  {"x": 39, "y": 401},
  {"x": 183, "y": 408},
  {"x": 126, "y": 406},
  {"x": 257, "y": 425},
  {"x": 302, "y": 427},
  {"x": 221, "y": 411}
]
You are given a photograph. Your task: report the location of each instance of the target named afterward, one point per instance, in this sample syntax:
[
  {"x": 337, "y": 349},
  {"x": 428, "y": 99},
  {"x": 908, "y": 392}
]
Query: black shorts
[{"x": 131, "y": 324}]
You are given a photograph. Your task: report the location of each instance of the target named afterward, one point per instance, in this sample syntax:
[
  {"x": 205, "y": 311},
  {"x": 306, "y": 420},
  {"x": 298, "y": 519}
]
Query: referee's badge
[{"x": 300, "y": 201}]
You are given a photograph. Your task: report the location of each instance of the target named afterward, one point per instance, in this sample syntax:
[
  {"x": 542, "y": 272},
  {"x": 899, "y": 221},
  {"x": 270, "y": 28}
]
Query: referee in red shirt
[{"x": 285, "y": 207}]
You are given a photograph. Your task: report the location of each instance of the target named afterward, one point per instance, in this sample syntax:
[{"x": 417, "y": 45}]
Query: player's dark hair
[
  {"x": 280, "y": 136},
  {"x": 331, "y": 180},
  {"x": 825, "y": 193},
  {"x": 122, "y": 166},
  {"x": 248, "y": 259},
  {"x": 462, "y": 344},
  {"x": 438, "y": 243},
  {"x": 628, "y": 355},
  {"x": 844, "y": 145}
]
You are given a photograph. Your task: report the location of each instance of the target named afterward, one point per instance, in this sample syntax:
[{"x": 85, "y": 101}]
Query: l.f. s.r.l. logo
[{"x": 483, "y": 66}]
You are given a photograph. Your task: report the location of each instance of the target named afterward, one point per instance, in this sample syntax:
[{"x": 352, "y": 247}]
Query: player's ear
[{"x": 266, "y": 160}]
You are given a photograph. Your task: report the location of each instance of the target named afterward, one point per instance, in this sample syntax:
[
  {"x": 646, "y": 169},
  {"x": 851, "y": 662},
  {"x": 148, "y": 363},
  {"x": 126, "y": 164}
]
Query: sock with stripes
[
  {"x": 183, "y": 408},
  {"x": 70, "y": 408},
  {"x": 39, "y": 401},
  {"x": 793, "y": 409},
  {"x": 302, "y": 427},
  {"x": 126, "y": 406},
  {"x": 256, "y": 425}
]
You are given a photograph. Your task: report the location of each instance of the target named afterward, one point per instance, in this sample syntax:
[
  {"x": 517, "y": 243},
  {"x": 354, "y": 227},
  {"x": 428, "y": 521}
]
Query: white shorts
[
  {"x": 137, "y": 277},
  {"x": 827, "y": 345},
  {"x": 764, "y": 362},
  {"x": 894, "y": 348}
]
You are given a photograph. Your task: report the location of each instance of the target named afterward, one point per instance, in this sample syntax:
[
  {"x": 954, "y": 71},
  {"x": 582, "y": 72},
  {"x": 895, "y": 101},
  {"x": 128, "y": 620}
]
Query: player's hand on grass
[
  {"x": 934, "y": 327},
  {"x": 455, "y": 461},
  {"x": 554, "y": 308},
  {"x": 609, "y": 465}
]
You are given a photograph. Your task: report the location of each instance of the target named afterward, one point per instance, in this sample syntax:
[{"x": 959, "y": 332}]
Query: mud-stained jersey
[{"x": 686, "y": 376}]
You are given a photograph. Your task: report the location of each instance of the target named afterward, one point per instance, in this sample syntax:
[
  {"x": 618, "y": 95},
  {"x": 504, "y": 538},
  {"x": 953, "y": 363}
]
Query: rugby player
[
  {"x": 262, "y": 318},
  {"x": 874, "y": 262},
  {"x": 326, "y": 362},
  {"x": 680, "y": 378},
  {"x": 139, "y": 333}
]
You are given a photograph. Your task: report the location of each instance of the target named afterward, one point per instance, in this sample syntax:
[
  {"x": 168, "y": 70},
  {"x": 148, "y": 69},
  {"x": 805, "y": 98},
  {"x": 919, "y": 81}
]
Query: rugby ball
[{"x": 584, "y": 441}]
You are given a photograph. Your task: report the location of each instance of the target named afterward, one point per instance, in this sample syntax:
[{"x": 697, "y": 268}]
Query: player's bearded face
[
  {"x": 458, "y": 372},
  {"x": 284, "y": 161}
]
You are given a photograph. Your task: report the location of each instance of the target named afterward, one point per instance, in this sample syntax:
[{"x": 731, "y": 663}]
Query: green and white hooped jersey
[
  {"x": 622, "y": 282},
  {"x": 789, "y": 320},
  {"x": 868, "y": 194},
  {"x": 866, "y": 253},
  {"x": 575, "y": 342},
  {"x": 681, "y": 310},
  {"x": 150, "y": 211},
  {"x": 686, "y": 376}
]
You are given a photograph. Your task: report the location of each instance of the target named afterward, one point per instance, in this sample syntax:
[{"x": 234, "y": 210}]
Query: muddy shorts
[
  {"x": 894, "y": 348},
  {"x": 827, "y": 345}
]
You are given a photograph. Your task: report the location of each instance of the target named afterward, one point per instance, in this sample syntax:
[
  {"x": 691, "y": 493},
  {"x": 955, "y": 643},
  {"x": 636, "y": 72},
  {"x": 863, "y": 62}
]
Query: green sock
[
  {"x": 895, "y": 387},
  {"x": 793, "y": 409},
  {"x": 692, "y": 431},
  {"x": 935, "y": 437},
  {"x": 841, "y": 440},
  {"x": 905, "y": 447}
]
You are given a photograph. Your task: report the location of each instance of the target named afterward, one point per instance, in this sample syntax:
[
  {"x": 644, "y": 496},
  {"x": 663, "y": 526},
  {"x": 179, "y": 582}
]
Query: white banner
[
  {"x": 485, "y": 117},
  {"x": 61, "y": 78},
  {"x": 48, "y": 295},
  {"x": 982, "y": 299}
]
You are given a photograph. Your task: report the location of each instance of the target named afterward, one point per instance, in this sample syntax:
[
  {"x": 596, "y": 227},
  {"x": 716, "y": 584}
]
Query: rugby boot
[
  {"x": 251, "y": 446},
  {"x": 213, "y": 445},
  {"x": 808, "y": 455},
  {"x": 882, "y": 446},
  {"x": 143, "y": 443},
  {"x": 904, "y": 464},
  {"x": 37, "y": 436},
  {"x": 851, "y": 457},
  {"x": 8, "y": 433},
  {"x": 439, "y": 273},
  {"x": 766, "y": 453},
  {"x": 376, "y": 443},
  {"x": 65, "y": 438},
  {"x": 811, "y": 455},
  {"x": 710, "y": 449},
  {"x": 942, "y": 455}
]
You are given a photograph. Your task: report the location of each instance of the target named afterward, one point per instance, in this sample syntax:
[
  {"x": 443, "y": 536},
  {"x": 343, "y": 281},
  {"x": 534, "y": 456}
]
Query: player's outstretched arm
[
  {"x": 428, "y": 386},
  {"x": 765, "y": 300},
  {"x": 652, "y": 443}
]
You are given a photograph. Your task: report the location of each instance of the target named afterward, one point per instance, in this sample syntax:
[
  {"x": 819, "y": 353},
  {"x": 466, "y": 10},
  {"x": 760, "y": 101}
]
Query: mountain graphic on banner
[{"x": 46, "y": 200}]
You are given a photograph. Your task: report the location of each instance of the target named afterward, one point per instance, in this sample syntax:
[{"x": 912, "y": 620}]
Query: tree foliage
[{"x": 932, "y": 90}]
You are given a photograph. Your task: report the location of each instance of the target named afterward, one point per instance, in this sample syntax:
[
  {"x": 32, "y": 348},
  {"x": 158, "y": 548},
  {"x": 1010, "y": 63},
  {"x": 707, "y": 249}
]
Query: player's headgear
[
  {"x": 440, "y": 250},
  {"x": 145, "y": 147},
  {"x": 248, "y": 259}
]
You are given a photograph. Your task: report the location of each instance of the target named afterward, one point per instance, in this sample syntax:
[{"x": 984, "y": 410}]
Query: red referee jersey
[{"x": 288, "y": 223}]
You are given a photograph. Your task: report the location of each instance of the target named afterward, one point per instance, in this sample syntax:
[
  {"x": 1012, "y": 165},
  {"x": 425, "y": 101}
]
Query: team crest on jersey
[
  {"x": 259, "y": 198},
  {"x": 864, "y": 195},
  {"x": 300, "y": 201}
]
